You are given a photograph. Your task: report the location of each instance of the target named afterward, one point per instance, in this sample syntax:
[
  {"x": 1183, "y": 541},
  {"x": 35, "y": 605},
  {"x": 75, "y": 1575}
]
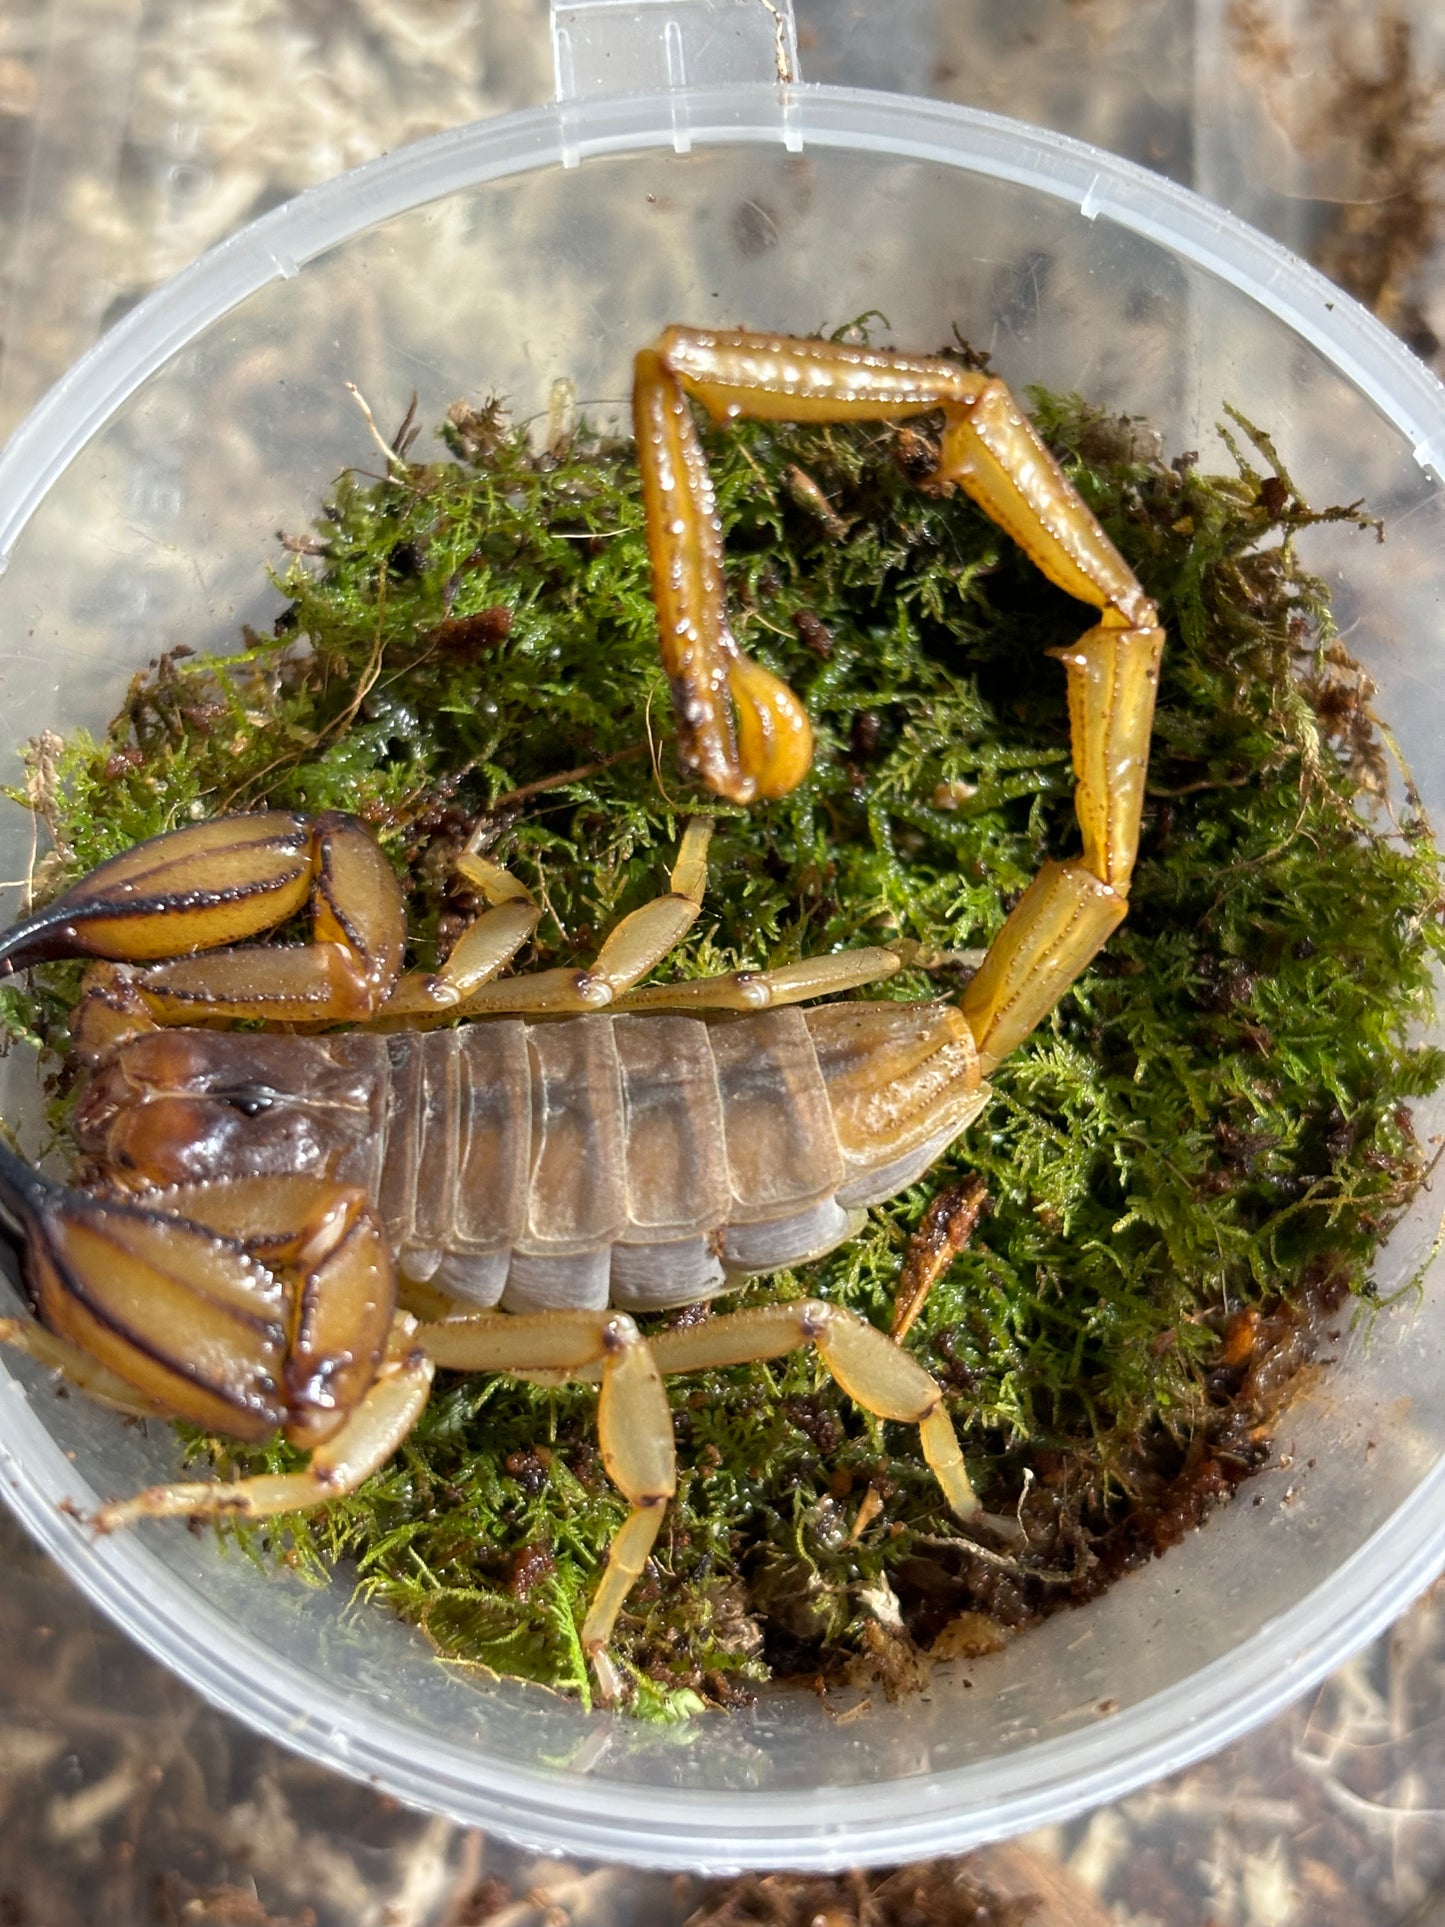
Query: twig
[{"x": 582, "y": 771}]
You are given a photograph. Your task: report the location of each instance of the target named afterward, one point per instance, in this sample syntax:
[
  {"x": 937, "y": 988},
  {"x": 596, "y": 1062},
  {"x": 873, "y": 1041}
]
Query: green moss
[{"x": 1216, "y": 1118}]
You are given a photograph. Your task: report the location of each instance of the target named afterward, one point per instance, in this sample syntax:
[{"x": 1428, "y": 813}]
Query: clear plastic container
[{"x": 138, "y": 509}]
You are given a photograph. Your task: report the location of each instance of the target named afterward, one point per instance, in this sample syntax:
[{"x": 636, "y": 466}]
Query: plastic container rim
[{"x": 897, "y": 1820}]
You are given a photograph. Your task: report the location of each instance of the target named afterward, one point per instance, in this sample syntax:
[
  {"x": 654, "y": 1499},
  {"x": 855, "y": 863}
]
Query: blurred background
[{"x": 136, "y": 133}]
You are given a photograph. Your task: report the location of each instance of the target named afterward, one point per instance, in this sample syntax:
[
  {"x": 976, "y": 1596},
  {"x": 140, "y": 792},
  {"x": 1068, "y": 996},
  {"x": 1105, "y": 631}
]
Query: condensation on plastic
[{"x": 138, "y": 509}]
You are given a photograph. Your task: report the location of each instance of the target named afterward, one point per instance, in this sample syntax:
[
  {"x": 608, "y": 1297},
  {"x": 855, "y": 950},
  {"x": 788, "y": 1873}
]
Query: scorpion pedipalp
[
  {"x": 186, "y": 1317},
  {"x": 211, "y": 887},
  {"x": 247, "y": 1308}
]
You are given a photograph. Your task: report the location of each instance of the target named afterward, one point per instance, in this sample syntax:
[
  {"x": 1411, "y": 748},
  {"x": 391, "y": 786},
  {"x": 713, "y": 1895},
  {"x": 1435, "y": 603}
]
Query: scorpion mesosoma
[{"x": 598, "y": 1146}]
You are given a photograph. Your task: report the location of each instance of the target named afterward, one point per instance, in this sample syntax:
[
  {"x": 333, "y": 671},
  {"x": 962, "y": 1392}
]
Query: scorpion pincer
[{"x": 591, "y": 1146}]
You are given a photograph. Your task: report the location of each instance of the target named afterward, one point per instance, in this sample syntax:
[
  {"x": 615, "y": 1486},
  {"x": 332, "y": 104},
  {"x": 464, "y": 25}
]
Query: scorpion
[{"x": 591, "y": 1146}]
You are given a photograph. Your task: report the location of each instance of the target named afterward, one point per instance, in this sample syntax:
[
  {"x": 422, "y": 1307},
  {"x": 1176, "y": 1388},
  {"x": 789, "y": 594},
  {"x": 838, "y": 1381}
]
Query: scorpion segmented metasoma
[{"x": 598, "y": 1146}]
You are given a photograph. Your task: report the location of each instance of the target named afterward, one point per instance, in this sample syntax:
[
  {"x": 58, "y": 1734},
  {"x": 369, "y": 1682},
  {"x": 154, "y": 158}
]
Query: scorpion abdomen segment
[
  {"x": 640, "y": 1159},
  {"x": 783, "y": 1152},
  {"x": 677, "y": 1135}
]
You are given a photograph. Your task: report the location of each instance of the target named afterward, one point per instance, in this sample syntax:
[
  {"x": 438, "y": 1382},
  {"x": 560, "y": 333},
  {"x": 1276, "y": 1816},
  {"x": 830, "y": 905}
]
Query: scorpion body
[
  {"x": 597, "y": 1144},
  {"x": 635, "y": 1160}
]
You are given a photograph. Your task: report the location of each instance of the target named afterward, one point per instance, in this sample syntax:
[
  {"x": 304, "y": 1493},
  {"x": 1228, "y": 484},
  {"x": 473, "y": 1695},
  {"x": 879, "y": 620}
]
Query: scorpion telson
[{"x": 598, "y": 1146}]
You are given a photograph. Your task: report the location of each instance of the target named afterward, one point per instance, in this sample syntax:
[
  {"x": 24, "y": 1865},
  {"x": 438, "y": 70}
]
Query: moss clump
[{"x": 1193, "y": 1156}]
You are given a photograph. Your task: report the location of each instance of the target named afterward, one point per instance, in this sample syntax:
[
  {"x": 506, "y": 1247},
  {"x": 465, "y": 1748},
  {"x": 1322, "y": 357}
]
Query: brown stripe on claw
[
  {"x": 195, "y": 888},
  {"x": 185, "y": 905}
]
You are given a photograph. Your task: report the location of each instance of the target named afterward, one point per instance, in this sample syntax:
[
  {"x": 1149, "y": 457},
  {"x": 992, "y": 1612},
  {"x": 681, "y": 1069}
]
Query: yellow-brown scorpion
[{"x": 597, "y": 1147}]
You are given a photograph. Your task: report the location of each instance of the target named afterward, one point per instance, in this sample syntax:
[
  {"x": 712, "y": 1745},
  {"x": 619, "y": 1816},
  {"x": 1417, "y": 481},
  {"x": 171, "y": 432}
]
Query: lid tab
[{"x": 602, "y": 47}]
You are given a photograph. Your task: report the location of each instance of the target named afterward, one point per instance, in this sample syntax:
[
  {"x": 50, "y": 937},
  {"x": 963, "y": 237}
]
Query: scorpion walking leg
[
  {"x": 634, "y": 1427},
  {"x": 485, "y": 947},
  {"x": 636, "y": 946},
  {"x": 363, "y": 1444},
  {"x": 643, "y": 939},
  {"x": 792, "y": 983},
  {"x": 883, "y": 1379}
]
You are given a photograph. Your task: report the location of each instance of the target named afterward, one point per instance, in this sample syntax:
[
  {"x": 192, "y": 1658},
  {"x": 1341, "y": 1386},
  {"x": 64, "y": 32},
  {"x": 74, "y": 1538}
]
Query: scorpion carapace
[{"x": 597, "y": 1146}]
